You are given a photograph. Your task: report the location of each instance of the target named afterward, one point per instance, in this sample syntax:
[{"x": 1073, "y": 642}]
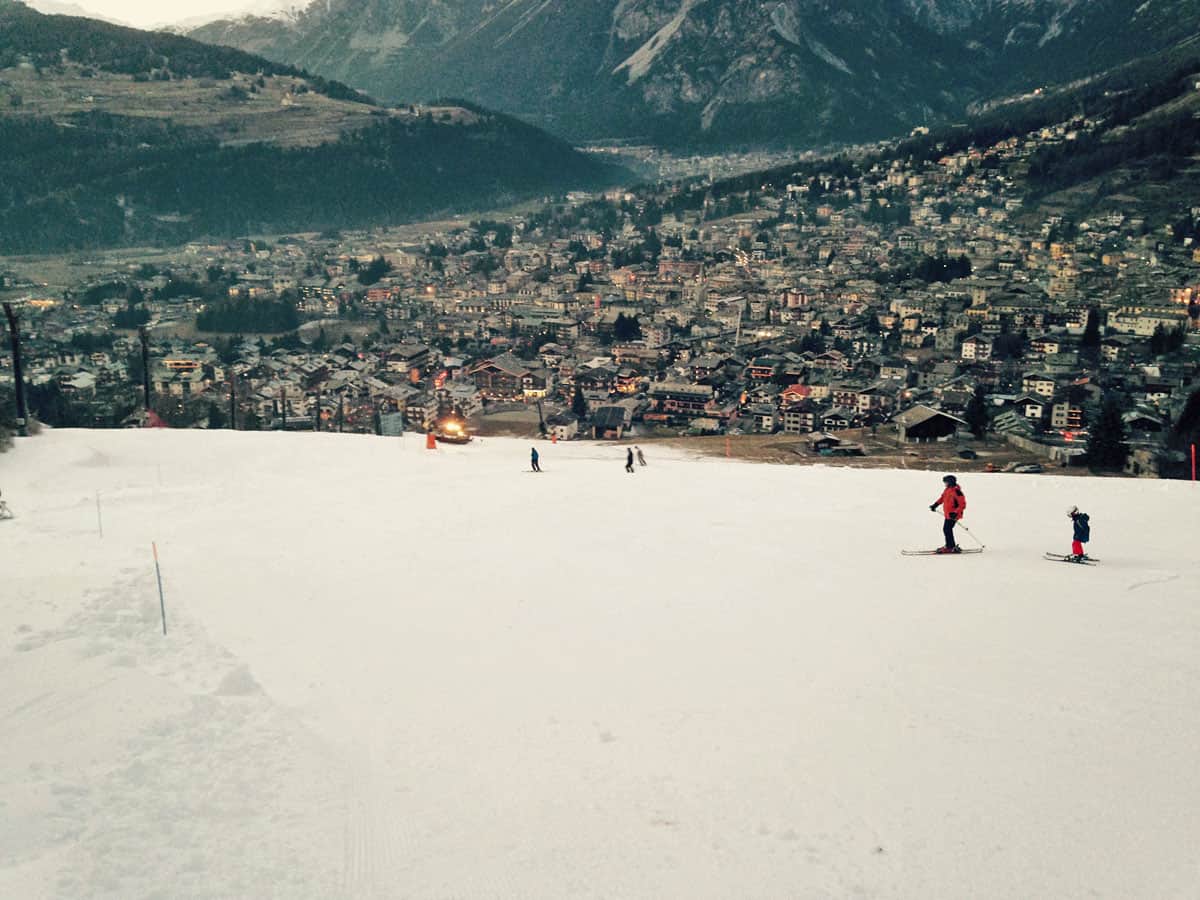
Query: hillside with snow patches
[{"x": 393, "y": 672}]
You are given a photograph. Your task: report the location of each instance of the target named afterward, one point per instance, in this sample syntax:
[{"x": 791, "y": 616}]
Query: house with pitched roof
[
  {"x": 500, "y": 377},
  {"x": 921, "y": 424}
]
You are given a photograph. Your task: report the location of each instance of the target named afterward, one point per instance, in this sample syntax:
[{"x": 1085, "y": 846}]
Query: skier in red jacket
[{"x": 953, "y": 504}]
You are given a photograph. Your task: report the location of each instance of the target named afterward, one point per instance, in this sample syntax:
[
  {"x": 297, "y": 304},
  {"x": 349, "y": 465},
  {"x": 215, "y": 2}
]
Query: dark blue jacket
[{"x": 1083, "y": 531}]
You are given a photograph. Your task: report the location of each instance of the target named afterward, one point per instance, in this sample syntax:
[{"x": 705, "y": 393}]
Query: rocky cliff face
[{"x": 713, "y": 71}]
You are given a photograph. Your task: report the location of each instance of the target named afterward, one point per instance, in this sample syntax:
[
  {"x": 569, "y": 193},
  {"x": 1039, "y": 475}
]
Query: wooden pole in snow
[{"x": 162, "y": 603}]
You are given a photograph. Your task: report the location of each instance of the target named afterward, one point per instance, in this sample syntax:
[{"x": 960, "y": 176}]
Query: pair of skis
[
  {"x": 1067, "y": 558},
  {"x": 940, "y": 553},
  {"x": 1052, "y": 557}
]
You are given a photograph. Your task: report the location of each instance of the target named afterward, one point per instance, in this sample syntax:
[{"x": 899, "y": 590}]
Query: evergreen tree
[
  {"x": 1158, "y": 341},
  {"x": 131, "y": 316},
  {"x": 652, "y": 245},
  {"x": 976, "y": 414},
  {"x": 1187, "y": 430},
  {"x": 1106, "y": 445},
  {"x": 8, "y": 419},
  {"x": 627, "y": 328},
  {"x": 812, "y": 343},
  {"x": 374, "y": 270},
  {"x": 216, "y": 418},
  {"x": 1091, "y": 332},
  {"x": 579, "y": 404},
  {"x": 1176, "y": 338}
]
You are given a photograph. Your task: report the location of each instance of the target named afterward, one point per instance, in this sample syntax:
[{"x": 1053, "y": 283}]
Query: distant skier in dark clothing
[
  {"x": 953, "y": 503},
  {"x": 533, "y": 459},
  {"x": 1082, "y": 532},
  {"x": 629, "y": 460},
  {"x": 641, "y": 457}
]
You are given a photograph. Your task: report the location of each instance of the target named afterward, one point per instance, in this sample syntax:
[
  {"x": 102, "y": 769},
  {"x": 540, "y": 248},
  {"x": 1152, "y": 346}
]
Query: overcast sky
[{"x": 148, "y": 13}]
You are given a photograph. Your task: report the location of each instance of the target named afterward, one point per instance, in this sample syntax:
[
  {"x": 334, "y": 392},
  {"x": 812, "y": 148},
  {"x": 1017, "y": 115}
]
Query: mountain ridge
[{"x": 715, "y": 71}]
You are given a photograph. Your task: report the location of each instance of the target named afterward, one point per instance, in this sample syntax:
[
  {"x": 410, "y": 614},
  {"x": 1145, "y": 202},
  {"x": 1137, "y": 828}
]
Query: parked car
[
  {"x": 1028, "y": 469},
  {"x": 967, "y": 453}
]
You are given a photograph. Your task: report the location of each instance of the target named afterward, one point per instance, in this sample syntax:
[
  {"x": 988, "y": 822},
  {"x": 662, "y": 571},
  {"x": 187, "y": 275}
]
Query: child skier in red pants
[{"x": 1082, "y": 533}]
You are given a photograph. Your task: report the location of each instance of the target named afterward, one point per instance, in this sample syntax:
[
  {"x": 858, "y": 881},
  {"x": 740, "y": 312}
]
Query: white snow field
[{"x": 397, "y": 673}]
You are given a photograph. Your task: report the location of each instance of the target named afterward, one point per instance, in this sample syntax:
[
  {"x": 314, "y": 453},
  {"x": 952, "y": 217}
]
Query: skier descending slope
[
  {"x": 953, "y": 503},
  {"x": 1082, "y": 532}
]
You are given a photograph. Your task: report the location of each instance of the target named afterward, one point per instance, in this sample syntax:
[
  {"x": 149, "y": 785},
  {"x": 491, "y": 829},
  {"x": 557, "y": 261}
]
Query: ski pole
[{"x": 970, "y": 532}]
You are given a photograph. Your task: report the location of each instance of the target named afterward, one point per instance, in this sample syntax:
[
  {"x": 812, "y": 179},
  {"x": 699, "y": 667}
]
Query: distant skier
[
  {"x": 5, "y": 512},
  {"x": 533, "y": 459},
  {"x": 1082, "y": 533},
  {"x": 641, "y": 456},
  {"x": 953, "y": 503},
  {"x": 629, "y": 460}
]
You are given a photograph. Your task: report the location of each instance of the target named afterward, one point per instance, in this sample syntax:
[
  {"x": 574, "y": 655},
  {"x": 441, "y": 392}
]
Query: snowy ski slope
[{"x": 396, "y": 673}]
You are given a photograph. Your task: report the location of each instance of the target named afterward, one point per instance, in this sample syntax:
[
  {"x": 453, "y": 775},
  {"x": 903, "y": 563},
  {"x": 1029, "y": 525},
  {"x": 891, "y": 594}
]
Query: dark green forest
[
  {"x": 243, "y": 315},
  {"x": 101, "y": 180},
  {"x": 1165, "y": 145},
  {"x": 930, "y": 269}
]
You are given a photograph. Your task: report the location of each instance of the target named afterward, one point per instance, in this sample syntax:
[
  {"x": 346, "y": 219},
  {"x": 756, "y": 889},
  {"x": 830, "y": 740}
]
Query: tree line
[
  {"x": 60, "y": 181},
  {"x": 240, "y": 315}
]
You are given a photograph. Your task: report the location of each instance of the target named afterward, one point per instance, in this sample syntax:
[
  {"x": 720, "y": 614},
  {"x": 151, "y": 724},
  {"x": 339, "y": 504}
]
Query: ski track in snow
[
  {"x": 390, "y": 672},
  {"x": 375, "y": 843},
  {"x": 1164, "y": 579}
]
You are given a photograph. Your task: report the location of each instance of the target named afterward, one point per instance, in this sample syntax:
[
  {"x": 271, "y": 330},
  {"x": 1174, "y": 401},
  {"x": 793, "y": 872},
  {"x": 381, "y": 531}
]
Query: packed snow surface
[{"x": 391, "y": 672}]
